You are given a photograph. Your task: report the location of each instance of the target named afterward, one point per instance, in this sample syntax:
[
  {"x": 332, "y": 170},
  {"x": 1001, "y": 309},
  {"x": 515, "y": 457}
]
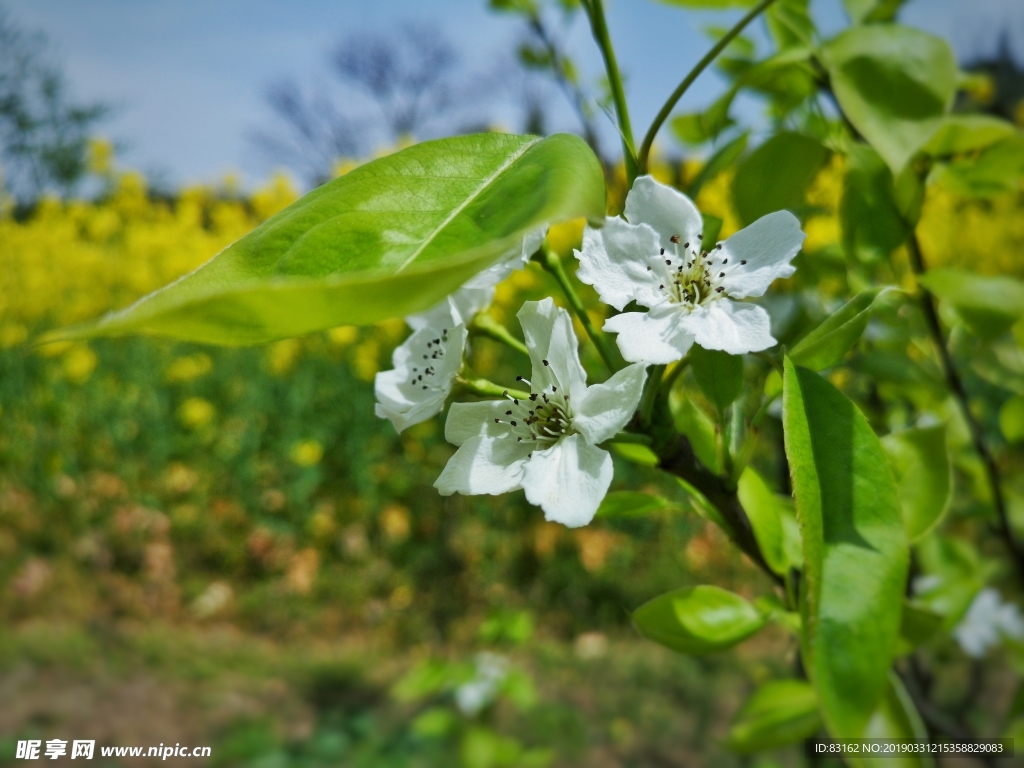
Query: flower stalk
[
  {"x": 483, "y": 324},
  {"x": 484, "y": 388}
]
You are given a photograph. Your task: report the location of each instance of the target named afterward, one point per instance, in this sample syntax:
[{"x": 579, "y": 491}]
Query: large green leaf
[
  {"x": 988, "y": 304},
  {"x": 697, "y": 127},
  {"x": 718, "y": 374},
  {"x": 921, "y": 465},
  {"x": 389, "y": 238},
  {"x": 698, "y": 620},
  {"x": 855, "y": 549},
  {"x": 765, "y": 511},
  {"x": 966, "y": 133},
  {"x": 780, "y": 712},
  {"x": 896, "y": 718},
  {"x": 827, "y": 345},
  {"x": 872, "y": 224},
  {"x": 1011, "y": 419},
  {"x": 997, "y": 170},
  {"x": 868, "y": 11},
  {"x": 632, "y": 504},
  {"x": 698, "y": 428},
  {"x": 776, "y": 175},
  {"x": 712, "y": 5},
  {"x": 893, "y": 83}
]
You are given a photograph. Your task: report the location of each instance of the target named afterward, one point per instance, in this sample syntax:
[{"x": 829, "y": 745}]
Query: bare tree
[{"x": 43, "y": 134}]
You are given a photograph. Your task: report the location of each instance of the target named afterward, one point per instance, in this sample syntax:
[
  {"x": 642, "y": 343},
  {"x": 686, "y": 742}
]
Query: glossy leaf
[
  {"x": 635, "y": 453},
  {"x": 922, "y": 469},
  {"x": 632, "y": 504},
  {"x": 827, "y": 345},
  {"x": 386, "y": 239},
  {"x": 897, "y": 718},
  {"x": 965, "y": 133},
  {"x": 893, "y": 83},
  {"x": 989, "y": 305},
  {"x": 776, "y": 175},
  {"x": 718, "y": 374},
  {"x": 871, "y": 220},
  {"x": 698, "y": 428},
  {"x": 698, "y": 620},
  {"x": 765, "y": 511},
  {"x": 780, "y": 712},
  {"x": 855, "y": 548}
]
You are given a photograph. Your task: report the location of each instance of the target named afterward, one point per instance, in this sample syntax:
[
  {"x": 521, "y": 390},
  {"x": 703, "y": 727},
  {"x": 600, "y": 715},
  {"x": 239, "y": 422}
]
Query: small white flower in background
[
  {"x": 546, "y": 444},
  {"x": 425, "y": 368},
  {"x": 987, "y": 621},
  {"x": 657, "y": 259},
  {"x": 425, "y": 365},
  {"x": 472, "y": 697}
]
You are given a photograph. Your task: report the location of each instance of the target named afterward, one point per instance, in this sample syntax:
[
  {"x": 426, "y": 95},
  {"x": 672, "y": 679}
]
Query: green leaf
[
  {"x": 827, "y": 345},
  {"x": 789, "y": 23},
  {"x": 765, "y": 511},
  {"x": 897, "y": 718},
  {"x": 869, "y": 11},
  {"x": 723, "y": 158},
  {"x": 988, "y": 305},
  {"x": 434, "y": 723},
  {"x": 698, "y": 127},
  {"x": 632, "y": 504},
  {"x": 871, "y": 220},
  {"x": 780, "y": 712},
  {"x": 712, "y": 227},
  {"x": 776, "y": 175},
  {"x": 922, "y": 469},
  {"x": 997, "y": 170},
  {"x": 855, "y": 549},
  {"x": 698, "y": 620},
  {"x": 390, "y": 238},
  {"x": 1011, "y": 419},
  {"x": 966, "y": 133},
  {"x": 719, "y": 375},
  {"x": 710, "y": 5},
  {"x": 635, "y": 453},
  {"x": 698, "y": 428},
  {"x": 918, "y": 625},
  {"x": 893, "y": 83}
]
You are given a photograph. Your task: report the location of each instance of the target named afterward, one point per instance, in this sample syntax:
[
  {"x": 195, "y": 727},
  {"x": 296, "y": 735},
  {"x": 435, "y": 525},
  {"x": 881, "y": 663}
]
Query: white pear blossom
[
  {"x": 988, "y": 620},
  {"x": 473, "y": 696},
  {"x": 546, "y": 444},
  {"x": 425, "y": 366},
  {"x": 656, "y": 258}
]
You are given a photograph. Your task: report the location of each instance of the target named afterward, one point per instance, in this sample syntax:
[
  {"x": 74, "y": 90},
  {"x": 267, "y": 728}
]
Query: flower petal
[
  {"x": 484, "y": 464},
  {"x": 608, "y": 407},
  {"x": 615, "y": 260},
  {"x": 568, "y": 480},
  {"x": 655, "y": 338},
  {"x": 767, "y": 246},
  {"x": 466, "y": 420},
  {"x": 731, "y": 326},
  {"x": 668, "y": 211},
  {"x": 550, "y": 337}
]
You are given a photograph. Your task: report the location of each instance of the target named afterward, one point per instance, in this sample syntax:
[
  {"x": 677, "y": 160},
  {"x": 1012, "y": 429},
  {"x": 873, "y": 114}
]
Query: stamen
[
  {"x": 674, "y": 239},
  {"x": 546, "y": 363},
  {"x": 743, "y": 262}
]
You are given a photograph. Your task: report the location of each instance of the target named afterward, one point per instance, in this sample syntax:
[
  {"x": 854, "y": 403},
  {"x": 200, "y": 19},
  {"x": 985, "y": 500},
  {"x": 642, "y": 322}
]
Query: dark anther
[
  {"x": 668, "y": 262},
  {"x": 505, "y": 393},
  {"x": 721, "y": 274},
  {"x": 662, "y": 251},
  {"x": 648, "y": 269},
  {"x": 545, "y": 362},
  {"x": 686, "y": 245},
  {"x": 513, "y": 423},
  {"x": 724, "y": 262},
  {"x": 516, "y": 402},
  {"x": 719, "y": 290},
  {"x": 674, "y": 238},
  {"x": 743, "y": 262},
  {"x": 497, "y": 421},
  {"x": 661, "y": 286},
  {"x": 508, "y": 413},
  {"x": 700, "y": 236}
]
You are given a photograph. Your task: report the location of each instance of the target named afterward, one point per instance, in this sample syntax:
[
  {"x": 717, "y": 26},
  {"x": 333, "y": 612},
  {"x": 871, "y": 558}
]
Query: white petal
[
  {"x": 656, "y": 337},
  {"x": 668, "y": 211},
  {"x": 767, "y": 245},
  {"x": 484, "y": 464},
  {"x": 517, "y": 257},
  {"x": 615, "y": 261},
  {"x": 608, "y": 407},
  {"x": 568, "y": 480},
  {"x": 549, "y": 336},
  {"x": 466, "y": 420},
  {"x": 731, "y": 326}
]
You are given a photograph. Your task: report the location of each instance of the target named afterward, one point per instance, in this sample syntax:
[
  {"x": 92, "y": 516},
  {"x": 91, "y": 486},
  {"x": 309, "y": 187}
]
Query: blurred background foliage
[{"x": 226, "y": 547}]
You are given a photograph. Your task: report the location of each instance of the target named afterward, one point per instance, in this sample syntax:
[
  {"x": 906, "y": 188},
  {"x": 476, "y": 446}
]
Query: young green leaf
[
  {"x": 710, "y": 5},
  {"x": 921, "y": 465},
  {"x": 698, "y": 127},
  {"x": 966, "y": 133},
  {"x": 1011, "y": 419},
  {"x": 632, "y": 504},
  {"x": 871, "y": 221},
  {"x": 776, "y": 175},
  {"x": 989, "y": 305},
  {"x": 780, "y": 712},
  {"x": 997, "y": 170},
  {"x": 764, "y": 509},
  {"x": 893, "y": 83},
  {"x": 855, "y": 548},
  {"x": 827, "y": 345},
  {"x": 390, "y": 238},
  {"x": 698, "y": 620},
  {"x": 719, "y": 375},
  {"x": 872, "y": 11},
  {"x": 698, "y": 428},
  {"x": 723, "y": 158}
]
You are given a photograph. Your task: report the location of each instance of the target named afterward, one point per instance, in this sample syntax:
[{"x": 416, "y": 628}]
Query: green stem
[
  {"x": 669, "y": 381},
  {"x": 650, "y": 395},
  {"x": 485, "y": 388},
  {"x": 599, "y": 28},
  {"x": 666, "y": 109},
  {"x": 549, "y": 260},
  {"x": 485, "y": 325}
]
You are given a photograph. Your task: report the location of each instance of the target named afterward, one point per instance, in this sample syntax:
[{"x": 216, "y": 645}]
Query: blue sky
[{"x": 188, "y": 76}]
